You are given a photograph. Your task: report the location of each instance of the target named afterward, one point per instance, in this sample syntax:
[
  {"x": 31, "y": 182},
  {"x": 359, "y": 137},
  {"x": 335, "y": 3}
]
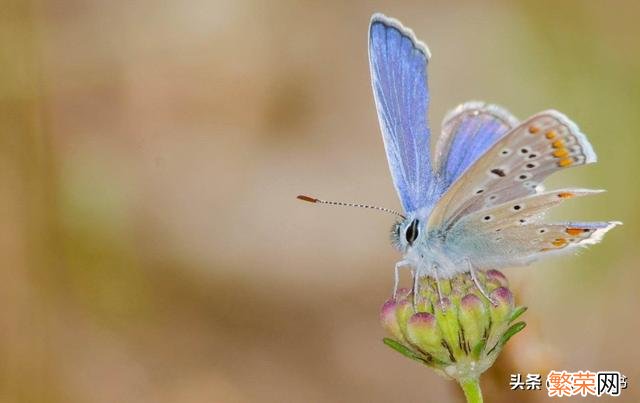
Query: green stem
[{"x": 471, "y": 388}]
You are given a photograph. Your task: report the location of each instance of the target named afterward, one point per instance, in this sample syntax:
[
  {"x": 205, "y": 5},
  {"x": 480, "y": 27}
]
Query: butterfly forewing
[
  {"x": 398, "y": 63},
  {"x": 514, "y": 167}
]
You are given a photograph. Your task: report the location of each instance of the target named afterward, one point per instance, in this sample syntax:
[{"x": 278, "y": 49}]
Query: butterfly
[{"x": 476, "y": 202}]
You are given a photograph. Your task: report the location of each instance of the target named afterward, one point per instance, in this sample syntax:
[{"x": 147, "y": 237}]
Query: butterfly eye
[{"x": 412, "y": 232}]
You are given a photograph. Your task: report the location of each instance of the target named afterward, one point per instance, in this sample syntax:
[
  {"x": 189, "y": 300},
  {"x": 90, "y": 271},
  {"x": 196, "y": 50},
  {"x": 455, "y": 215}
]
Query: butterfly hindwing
[
  {"x": 514, "y": 166},
  {"x": 516, "y": 245},
  {"x": 513, "y": 233},
  {"x": 525, "y": 210},
  {"x": 398, "y": 63},
  {"x": 467, "y": 132}
]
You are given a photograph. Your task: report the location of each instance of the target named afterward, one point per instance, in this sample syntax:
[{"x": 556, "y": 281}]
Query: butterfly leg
[
  {"x": 416, "y": 288},
  {"x": 435, "y": 275},
  {"x": 474, "y": 277},
  {"x": 396, "y": 281}
]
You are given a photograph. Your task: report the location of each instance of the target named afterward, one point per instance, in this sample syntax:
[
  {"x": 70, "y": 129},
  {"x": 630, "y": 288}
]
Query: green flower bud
[
  {"x": 503, "y": 305},
  {"x": 474, "y": 321},
  {"x": 494, "y": 277},
  {"x": 423, "y": 331},
  {"x": 460, "y": 335}
]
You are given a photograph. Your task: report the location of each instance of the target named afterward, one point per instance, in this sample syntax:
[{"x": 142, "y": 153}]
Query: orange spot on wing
[
  {"x": 534, "y": 129},
  {"x": 561, "y": 153},
  {"x": 565, "y": 162},
  {"x": 557, "y": 144},
  {"x": 559, "y": 242},
  {"x": 565, "y": 195},
  {"x": 550, "y": 134},
  {"x": 574, "y": 231}
]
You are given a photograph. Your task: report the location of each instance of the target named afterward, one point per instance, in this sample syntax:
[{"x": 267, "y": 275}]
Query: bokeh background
[{"x": 151, "y": 152}]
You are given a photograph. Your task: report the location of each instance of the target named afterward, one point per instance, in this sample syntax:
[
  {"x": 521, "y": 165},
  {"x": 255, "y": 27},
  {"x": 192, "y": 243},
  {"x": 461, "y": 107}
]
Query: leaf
[
  {"x": 479, "y": 348},
  {"x": 517, "y": 312},
  {"x": 511, "y": 332},
  {"x": 402, "y": 349}
]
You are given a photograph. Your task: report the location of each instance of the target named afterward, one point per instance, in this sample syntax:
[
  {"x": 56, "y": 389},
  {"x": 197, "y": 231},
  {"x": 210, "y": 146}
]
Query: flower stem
[{"x": 471, "y": 388}]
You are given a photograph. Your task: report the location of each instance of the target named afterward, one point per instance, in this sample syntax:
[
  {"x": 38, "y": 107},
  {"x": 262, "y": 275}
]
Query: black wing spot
[{"x": 499, "y": 172}]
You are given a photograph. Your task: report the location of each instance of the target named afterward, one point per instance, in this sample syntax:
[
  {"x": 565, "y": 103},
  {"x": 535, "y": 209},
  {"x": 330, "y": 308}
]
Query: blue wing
[
  {"x": 468, "y": 132},
  {"x": 398, "y": 63}
]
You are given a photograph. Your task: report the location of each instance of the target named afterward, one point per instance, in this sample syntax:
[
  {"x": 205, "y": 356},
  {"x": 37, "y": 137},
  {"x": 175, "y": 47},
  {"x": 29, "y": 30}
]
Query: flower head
[{"x": 460, "y": 335}]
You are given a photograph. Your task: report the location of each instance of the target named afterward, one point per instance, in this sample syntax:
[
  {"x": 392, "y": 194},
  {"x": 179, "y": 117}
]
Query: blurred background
[{"x": 151, "y": 152}]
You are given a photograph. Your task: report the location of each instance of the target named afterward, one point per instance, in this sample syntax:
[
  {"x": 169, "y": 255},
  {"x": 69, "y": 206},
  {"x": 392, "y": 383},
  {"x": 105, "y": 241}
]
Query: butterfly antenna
[{"x": 344, "y": 204}]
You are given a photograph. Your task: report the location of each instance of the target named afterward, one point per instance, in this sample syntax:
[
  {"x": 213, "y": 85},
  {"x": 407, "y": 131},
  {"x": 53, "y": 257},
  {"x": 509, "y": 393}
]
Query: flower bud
[
  {"x": 423, "y": 332},
  {"x": 504, "y": 305},
  {"x": 389, "y": 320},
  {"x": 473, "y": 319},
  {"x": 459, "y": 335}
]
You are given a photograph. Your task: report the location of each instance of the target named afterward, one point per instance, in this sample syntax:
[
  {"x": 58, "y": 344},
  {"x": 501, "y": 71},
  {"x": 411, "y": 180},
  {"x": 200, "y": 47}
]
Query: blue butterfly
[{"x": 477, "y": 202}]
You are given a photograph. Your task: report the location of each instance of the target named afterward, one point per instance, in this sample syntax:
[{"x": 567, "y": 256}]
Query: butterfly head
[{"x": 407, "y": 233}]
